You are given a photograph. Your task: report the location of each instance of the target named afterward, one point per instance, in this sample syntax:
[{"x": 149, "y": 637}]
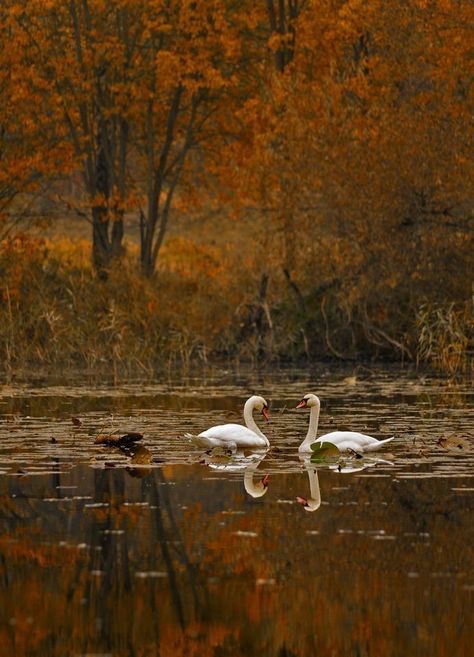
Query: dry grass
[
  {"x": 55, "y": 312},
  {"x": 206, "y": 302},
  {"x": 446, "y": 337}
]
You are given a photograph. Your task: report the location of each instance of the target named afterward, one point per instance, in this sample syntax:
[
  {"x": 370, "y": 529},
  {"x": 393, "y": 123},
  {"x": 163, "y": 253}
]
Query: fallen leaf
[
  {"x": 142, "y": 456},
  {"x": 454, "y": 441},
  {"x": 350, "y": 380}
]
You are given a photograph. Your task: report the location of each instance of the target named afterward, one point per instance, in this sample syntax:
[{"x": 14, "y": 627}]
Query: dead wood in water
[{"x": 117, "y": 440}]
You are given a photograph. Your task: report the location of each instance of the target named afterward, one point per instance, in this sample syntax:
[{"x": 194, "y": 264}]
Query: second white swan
[{"x": 343, "y": 440}]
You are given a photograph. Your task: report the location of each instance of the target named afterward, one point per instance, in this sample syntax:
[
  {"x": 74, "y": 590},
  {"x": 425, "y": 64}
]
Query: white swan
[
  {"x": 234, "y": 436},
  {"x": 343, "y": 440}
]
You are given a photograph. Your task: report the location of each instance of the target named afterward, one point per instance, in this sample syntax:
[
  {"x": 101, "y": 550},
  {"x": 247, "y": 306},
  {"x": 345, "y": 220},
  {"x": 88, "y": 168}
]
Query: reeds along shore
[{"x": 204, "y": 305}]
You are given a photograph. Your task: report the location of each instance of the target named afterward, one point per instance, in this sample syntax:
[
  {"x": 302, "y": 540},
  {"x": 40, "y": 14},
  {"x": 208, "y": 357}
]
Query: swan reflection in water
[
  {"x": 241, "y": 461},
  {"x": 313, "y": 502}
]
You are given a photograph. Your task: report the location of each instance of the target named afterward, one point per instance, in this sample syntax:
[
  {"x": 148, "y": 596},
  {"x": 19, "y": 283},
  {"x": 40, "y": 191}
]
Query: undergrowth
[
  {"x": 205, "y": 303},
  {"x": 446, "y": 336}
]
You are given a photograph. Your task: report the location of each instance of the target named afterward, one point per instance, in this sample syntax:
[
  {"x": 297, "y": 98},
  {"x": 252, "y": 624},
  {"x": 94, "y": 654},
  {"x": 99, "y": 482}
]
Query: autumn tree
[
  {"x": 190, "y": 67},
  {"x": 32, "y": 148},
  {"x": 366, "y": 164},
  {"x": 138, "y": 86},
  {"x": 82, "y": 52}
]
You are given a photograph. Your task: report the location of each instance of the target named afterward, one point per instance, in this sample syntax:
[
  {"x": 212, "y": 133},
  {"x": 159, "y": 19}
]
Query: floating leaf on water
[
  {"x": 350, "y": 380},
  {"x": 323, "y": 452},
  {"x": 77, "y": 422},
  {"x": 141, "y": 456},
  {"x": 454, "y": 441},
  {"x": 326, "y": 445}
]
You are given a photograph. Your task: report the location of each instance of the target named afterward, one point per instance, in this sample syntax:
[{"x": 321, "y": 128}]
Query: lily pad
[
  {"x": 325, "y": 446},
  {"x": 323, "y": 452}
]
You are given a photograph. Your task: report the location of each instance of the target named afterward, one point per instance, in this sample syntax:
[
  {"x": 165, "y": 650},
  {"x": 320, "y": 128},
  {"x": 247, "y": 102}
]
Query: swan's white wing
[
  {"x": 378, "y": 444},
  {"x": 345, "y": 440},
  {"x": 236, "y": 434},
  {"x": 337, "y": 437}
]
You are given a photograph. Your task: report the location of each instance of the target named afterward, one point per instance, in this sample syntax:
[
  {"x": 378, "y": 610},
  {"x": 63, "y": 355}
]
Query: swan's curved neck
[
  {"x": 313, "y": 426},
  {"x": 248, "y": 418}
]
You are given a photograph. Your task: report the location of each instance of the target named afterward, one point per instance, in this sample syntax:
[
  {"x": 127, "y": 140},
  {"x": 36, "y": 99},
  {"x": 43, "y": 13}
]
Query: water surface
[{"x": 162, "y": 551}]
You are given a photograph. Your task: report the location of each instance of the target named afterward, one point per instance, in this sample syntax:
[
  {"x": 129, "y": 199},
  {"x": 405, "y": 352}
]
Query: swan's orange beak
[
  {"x": 265, "y": 413},
  {"x": 302, "y": 500},
  {"x": 302, "y": 404},
  {"x": 265, "y": 480}
]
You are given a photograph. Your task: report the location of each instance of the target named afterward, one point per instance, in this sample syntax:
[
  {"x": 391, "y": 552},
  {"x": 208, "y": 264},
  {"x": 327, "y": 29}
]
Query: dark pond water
[{"x": 163, "y": 552}]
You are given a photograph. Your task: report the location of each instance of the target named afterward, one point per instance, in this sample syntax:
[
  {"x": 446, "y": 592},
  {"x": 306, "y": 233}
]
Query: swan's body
[
  {"x": 352, "y": 441},
  {"x": 236, "y": 436},
  {"x": 343, "y": 440}
]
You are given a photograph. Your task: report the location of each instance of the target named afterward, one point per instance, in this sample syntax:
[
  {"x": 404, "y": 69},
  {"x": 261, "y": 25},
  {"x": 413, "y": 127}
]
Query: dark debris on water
[{"x": 118, "y": 440}]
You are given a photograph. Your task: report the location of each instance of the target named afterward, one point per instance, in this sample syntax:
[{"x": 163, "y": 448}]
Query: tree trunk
[
  {"x": 106, "y": 243},
  {"x": 106, "y": 239}
]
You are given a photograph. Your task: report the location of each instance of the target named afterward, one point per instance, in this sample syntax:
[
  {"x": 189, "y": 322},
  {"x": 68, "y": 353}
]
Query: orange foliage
[
  {"x": 338, "y": 130},
  {"x": 356, "y": 153}
]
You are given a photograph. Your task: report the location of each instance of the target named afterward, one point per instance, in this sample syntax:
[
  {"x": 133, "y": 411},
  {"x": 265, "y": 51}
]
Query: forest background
[{"x": 273, "y": 181}]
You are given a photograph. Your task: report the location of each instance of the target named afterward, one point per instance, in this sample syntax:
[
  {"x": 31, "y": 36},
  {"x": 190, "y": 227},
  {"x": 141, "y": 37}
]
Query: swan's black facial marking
[{"x": 303, "y": 403}]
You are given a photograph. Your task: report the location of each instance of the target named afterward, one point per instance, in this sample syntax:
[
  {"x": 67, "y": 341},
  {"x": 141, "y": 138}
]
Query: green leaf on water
[
  {"x": 316, "y": 447},
  {"x": 324, "y": 452}
]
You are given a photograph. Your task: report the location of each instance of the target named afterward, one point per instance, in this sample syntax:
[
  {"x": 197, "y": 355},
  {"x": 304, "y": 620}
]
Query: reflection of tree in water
[
  {"x": 320, "y": 591},
  {"x": 114, "y": 601},
  {"x": 162, "y": 529}
]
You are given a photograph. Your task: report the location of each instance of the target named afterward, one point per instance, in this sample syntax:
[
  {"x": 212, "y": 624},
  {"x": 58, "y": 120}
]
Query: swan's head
[
  {"x": 309, "y": 504},
  {"x": 259, "y": 404},
  {"x": 257, "y": 489},
  {"x": 308, "y": 401}
]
